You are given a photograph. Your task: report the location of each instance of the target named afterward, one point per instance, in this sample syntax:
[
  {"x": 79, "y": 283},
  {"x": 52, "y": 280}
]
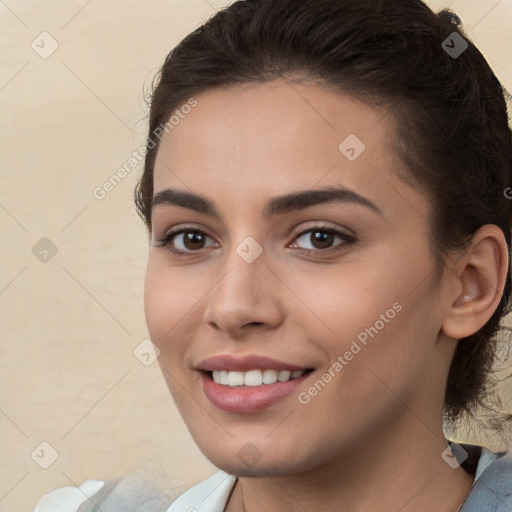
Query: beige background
[{"x": 70, "y": 325}]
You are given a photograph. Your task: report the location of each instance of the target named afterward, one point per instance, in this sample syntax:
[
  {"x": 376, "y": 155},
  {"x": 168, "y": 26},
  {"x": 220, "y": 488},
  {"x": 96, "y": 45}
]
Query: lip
[
  {"x": 248, "y": 399},
  {"x": 245, "y": 363}
]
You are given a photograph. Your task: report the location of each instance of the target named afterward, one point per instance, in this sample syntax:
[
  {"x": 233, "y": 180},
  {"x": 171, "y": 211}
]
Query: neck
[{"x": 408, "y": 474}]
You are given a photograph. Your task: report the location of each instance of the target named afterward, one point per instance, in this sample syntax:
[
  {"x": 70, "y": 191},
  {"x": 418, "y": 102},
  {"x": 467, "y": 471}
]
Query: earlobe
[{"x": 480, "y": 275}]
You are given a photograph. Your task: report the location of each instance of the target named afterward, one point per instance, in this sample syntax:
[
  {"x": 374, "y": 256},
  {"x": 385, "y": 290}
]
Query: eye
[
  {"x": 184, "y": 241},
  {"x": 187, "y": 241},
  {"x": 322, "y": 238}
]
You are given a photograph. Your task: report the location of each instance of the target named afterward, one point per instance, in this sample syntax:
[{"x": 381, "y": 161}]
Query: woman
[{"x": 326, "y": 190}]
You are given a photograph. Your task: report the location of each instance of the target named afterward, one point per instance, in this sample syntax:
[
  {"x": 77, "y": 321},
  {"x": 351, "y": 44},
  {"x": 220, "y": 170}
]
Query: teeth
[
  {"x": 270, "y": 376},
  {"x": 235, "y": 378},
  {"x": 254, "y": 377},
  {"x": 284, "y": 376}
]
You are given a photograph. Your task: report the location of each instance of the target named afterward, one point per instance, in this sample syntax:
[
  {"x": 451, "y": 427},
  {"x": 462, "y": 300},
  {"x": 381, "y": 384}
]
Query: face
[{"x": 333, "y": 293}]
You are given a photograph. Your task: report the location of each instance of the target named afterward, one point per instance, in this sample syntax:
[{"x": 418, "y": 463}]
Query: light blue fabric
[{"x": 492, "y": 489}]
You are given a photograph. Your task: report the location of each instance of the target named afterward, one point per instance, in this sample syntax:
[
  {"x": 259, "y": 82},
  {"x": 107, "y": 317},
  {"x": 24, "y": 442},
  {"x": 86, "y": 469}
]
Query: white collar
[{"x": 210, "y": 495}]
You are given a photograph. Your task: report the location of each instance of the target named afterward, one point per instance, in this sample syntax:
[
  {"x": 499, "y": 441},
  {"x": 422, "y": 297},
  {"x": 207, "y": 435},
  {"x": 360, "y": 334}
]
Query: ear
[{"x": 480, "y": 274}]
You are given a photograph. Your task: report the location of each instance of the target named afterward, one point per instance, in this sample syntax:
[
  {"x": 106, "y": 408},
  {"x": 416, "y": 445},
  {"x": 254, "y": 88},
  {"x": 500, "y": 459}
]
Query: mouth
[
  {"x": 249, "y": 383},
  {"x": 255, "y": 377},
  {"x": 251, "y": 391}
]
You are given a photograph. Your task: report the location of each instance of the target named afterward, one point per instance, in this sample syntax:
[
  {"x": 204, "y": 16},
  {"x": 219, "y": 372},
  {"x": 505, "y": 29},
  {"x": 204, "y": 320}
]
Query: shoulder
[
  {"x": 492, "y": 489},
  {"x": 128, "y": 493}
]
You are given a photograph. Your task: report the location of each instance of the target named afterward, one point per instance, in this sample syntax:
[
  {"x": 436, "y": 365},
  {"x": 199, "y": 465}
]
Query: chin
[
  {"x": 249, "y": 461},
  {"x": 234, "y": 467}
]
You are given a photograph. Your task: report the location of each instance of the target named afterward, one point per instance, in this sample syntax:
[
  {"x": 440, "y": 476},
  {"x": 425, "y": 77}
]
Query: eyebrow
[{"x": 276, "y": 206}]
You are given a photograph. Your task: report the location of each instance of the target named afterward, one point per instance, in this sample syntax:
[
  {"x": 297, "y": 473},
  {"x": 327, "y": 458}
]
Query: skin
[{"x": 372, "y": 438}]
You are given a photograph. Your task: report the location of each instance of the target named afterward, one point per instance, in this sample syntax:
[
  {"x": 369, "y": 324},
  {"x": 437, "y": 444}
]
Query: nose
[{"x": 247, "y": 295}]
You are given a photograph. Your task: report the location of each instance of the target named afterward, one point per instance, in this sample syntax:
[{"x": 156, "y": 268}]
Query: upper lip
[{"x": 245, "y": 363}]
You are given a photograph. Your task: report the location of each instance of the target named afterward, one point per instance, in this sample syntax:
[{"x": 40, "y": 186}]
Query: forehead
[{"x": 276, "y": 137}]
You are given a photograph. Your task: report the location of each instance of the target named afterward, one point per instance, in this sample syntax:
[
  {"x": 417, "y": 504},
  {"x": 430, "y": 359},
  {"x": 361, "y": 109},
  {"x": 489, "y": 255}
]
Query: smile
[
  {"x": 250, "y": 391},
  {"x": 254, "y": 377}
]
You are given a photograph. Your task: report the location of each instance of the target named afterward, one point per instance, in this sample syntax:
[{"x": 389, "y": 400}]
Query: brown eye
[
  {"x": 193, "y": 240},
  {"x": 322, "y": 239},
  {"x": 184, "y": 241}
]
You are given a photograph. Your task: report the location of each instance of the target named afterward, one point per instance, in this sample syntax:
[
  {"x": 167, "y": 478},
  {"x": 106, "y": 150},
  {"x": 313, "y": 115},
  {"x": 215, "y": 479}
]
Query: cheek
[
  {"x": 385, "y": 364},
  {"x": 167, "y": 295},
  {"x": 166, "y": 307},
  {"x": 346, "y": 300},
  {"x": 156, "y": 296},
  {"x": 368, "y": 316},
  {"x": 366, "y": 384}
]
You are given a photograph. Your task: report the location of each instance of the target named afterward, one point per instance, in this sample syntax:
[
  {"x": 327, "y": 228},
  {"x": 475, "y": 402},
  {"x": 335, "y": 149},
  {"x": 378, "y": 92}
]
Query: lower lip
[{"x": 247, "y": 399}]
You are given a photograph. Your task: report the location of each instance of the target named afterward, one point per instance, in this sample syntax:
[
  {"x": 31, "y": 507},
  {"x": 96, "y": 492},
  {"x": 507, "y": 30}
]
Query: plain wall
[{"x": 70, "y": 324}]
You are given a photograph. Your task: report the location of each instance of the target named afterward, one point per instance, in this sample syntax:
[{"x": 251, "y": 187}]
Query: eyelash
[{"x": 347, "y": 239}]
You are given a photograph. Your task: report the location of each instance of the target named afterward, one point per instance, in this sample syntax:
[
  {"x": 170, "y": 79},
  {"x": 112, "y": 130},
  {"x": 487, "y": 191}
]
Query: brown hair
[{"x": 452, "y": 132}]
